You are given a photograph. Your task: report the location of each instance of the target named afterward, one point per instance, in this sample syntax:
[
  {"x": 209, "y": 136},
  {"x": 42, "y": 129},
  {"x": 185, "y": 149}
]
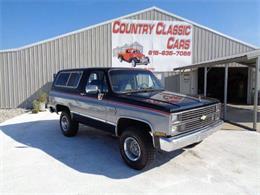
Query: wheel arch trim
[
  {"x": 133, "y": 118},
  {"x": 139, "y": 120}
]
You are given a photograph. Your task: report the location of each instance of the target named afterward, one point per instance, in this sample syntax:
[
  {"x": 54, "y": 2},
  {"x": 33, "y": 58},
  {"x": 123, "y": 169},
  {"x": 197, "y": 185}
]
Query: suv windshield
[{"x": 127, "y": 81}]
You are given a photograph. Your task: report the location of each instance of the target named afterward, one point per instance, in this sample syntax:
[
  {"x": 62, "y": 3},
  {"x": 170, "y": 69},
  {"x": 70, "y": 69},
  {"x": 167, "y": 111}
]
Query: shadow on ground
[{"x": 91, "y": 151}]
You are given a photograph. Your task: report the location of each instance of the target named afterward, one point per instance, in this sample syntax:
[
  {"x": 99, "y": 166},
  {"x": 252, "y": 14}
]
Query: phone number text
[{"x": 169, "y": 53}]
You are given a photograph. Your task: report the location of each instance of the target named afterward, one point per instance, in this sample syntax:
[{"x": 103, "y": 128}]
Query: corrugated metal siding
[
  {"x": 208, "y": 45},
  {"x": 24, "y": 72}
]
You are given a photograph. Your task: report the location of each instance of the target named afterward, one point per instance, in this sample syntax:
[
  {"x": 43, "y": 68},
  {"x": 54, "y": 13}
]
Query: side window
[
  {"x": 62, "y": 79},
  {"x": 74, "y": 79},
  {"x": 68, "y": 79},
  {"x": 98, "y": 78},
  {"x": 93, "y": 77}
]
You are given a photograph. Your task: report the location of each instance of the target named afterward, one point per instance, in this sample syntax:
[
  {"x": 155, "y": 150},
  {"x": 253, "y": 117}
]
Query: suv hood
[{"x": 167, "y": 101}]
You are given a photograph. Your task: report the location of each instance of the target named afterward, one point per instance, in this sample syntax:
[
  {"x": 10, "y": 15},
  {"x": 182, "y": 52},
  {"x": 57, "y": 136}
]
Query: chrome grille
[
  {"x": 199, "y": 123},
  {"x": 191, "y": 114},
  {"x": 192, "y": 119}
]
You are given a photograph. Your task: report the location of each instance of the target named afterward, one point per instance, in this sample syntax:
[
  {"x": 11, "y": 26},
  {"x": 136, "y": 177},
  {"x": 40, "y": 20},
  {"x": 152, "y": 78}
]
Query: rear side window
[
  {"x": 68, "y": 79},
  {"x": 74, "y": 79},
  {"x": 62, "y": 79}
]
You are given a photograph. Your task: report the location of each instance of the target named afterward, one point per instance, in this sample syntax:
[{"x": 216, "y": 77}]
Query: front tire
[
  {"x": 68, "y": 126},
  {"x": 133, "y": 62},
  {"x": 136, "y": 148}
]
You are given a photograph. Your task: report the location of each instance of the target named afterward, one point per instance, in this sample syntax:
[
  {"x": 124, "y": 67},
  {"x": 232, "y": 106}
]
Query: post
[
  {"x": 225, "y": 92},
  {"x": 205, "y": 81},
  {"x": 257, "y": 66}
]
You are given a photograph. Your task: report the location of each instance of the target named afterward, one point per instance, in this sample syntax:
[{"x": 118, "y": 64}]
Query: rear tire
[
  {"x": 136, "y": 148},
  {"x": 120, "y": 59},
  {"x": 148, "y": 61},
  {"x": 68, "y": 126}
]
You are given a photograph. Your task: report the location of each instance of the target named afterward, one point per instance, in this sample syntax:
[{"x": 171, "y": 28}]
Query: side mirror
[{"x": 91, "y": 89}]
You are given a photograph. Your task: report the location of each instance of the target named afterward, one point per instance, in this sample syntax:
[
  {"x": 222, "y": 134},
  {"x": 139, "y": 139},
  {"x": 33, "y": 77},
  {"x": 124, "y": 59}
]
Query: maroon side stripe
[{"x": 121, "y": 103}]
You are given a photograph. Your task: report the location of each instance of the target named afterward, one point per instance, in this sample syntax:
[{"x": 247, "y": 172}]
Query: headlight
[
  {"x": 180, "y": 127},
  {"x": 175, "y": 122},
  {"x": 218, "y": 107},
  {"x": 175, "y": 128},
  {"x": 174, "y": 118}
]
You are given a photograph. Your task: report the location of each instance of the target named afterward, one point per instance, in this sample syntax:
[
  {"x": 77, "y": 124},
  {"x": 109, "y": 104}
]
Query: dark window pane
[
  {"x": 98, "y": 78},
  {"x": 62, "y": 79},
  {"x": 74, "y": 79},
  {"x": 92, "y": 77}
]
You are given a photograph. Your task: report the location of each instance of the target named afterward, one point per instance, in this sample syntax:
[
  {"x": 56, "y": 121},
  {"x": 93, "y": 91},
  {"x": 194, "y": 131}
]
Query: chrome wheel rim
[
  {"x": 64, "y": 123},
  {"x": 132, "y": 149}
]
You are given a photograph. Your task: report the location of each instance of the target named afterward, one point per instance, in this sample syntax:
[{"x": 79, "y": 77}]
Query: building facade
[{"x": 27, "y": 70}]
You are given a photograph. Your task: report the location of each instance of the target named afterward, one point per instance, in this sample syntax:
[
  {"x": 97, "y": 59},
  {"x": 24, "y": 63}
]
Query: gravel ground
[{"x": 6, "y": 114}]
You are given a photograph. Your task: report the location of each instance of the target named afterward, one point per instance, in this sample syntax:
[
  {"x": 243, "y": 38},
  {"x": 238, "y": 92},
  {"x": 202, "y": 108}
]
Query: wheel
[
  {"x": 136, "y": 148},
  {"x": 148, "y": 61},
  {"x": 133, "y": 63},
  {"x": 192, "y": 145},
  {"x": 120, "y": 59},
  {"x": 68, "y": 126}
]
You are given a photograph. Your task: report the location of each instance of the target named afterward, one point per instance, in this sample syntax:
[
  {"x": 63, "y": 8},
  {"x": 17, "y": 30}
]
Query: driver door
[{"x": 92, "y": 104}]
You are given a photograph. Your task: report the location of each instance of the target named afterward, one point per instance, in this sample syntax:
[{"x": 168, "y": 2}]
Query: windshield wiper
[
  {"x": 140, "y": 90},
  {"x": 129, "y": 91},
  {"x": 149, "y": 89}
]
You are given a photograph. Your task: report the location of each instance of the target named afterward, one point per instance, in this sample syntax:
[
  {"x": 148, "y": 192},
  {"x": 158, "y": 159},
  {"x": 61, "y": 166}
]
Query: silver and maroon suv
[{"x": 131, "y": 104}]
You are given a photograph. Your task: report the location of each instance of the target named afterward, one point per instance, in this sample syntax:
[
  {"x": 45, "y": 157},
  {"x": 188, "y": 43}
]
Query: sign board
[{"x": 159, "y": 46}]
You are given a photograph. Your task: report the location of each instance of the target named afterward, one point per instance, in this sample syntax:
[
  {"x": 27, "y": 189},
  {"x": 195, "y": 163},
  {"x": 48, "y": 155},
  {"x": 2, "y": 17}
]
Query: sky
[{"x": 24, "y": 22}]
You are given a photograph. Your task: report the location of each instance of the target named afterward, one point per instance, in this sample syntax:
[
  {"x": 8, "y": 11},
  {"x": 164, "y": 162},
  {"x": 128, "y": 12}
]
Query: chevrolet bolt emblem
[{"x": 203, "y": 117}]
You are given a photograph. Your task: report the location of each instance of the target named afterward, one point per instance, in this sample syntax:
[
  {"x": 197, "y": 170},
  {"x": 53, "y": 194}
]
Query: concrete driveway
[{"x": 37, "y": 158}]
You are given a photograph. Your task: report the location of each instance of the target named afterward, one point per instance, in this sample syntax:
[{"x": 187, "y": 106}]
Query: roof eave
[{"x": 246, "y": 58}]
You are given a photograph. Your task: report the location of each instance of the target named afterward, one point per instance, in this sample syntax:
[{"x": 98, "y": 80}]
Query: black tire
[
  {"x": 72, "y": 125},
  {"x": 133, "y": 61},
  {"x": 144, "y": 140},
  {"x": 148, "y": 61},
  {"x": 120, "y": 59}
]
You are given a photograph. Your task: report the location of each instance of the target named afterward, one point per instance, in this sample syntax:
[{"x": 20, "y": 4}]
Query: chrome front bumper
[{"x": 177, "y": 142}]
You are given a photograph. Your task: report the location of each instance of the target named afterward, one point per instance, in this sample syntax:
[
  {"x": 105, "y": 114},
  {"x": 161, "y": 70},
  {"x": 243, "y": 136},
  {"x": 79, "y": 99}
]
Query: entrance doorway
[{"x": 237, "y": 84}]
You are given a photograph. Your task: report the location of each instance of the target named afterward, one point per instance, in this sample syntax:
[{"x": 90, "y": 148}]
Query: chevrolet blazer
[{"x": 132, "y": 104}]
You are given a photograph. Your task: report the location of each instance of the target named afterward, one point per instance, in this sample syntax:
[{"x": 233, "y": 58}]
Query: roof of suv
[{"x": 102, "y": 68}]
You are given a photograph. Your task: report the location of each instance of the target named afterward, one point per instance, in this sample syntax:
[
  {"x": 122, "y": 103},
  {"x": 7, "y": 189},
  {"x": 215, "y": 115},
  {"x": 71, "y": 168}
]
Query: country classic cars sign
[{"x": 155, "y": 45}]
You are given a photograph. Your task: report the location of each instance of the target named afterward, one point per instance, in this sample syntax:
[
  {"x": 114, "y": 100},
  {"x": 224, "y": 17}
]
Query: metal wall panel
[{"x": 24, "y": 72}]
